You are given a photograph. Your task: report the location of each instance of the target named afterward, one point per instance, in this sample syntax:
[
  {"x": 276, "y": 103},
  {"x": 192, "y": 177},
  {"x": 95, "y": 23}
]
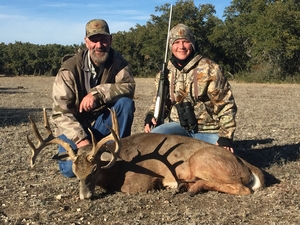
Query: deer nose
[{"x": 87, "y": 195}]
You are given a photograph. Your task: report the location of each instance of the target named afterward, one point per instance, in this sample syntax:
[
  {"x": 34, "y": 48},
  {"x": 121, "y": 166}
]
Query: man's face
[
  {"x": 182, "y": 48},
  {"x": 99, "y": 46}
]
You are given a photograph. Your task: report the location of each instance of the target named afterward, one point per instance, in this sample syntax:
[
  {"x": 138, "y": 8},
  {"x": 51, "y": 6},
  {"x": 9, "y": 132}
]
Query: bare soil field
[{"x": 267, "y": 136}]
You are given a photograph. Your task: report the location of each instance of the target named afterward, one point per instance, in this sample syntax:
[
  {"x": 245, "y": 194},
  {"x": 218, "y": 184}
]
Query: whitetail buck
[{"x": 148, "y": 161}]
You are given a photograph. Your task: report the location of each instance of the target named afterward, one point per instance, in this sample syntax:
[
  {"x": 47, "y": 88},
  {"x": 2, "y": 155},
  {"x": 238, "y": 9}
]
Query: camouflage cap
[
  {"x": 181, "y": 31},
  {"x": 96, "y": 26}
]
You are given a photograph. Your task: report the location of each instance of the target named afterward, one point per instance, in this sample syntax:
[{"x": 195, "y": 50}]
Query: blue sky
[{"x": 63, "y": 21}]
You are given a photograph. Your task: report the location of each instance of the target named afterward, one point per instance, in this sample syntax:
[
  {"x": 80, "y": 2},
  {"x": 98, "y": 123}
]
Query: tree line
[
  {"x": 30, "y": 59},
  {"x": 254, "y": 41}
]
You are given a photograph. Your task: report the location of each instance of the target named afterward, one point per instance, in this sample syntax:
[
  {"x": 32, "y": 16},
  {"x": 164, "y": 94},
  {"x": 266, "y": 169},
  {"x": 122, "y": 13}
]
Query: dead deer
[{"x": 148, "y": 161}]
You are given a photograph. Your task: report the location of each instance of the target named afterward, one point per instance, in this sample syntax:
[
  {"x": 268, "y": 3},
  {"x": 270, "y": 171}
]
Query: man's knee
[
  {"x": 125, "y": 104},
  {"x": 65, "y": 168}
]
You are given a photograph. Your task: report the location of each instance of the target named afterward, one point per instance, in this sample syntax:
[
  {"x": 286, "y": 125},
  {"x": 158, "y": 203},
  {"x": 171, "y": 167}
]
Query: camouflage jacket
[
  {"x": 72, "y": 83},
  {"x": 202, "y": 83}
]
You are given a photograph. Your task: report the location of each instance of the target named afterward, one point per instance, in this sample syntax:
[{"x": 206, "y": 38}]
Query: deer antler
[
  {"x": 113, "y": 136},
  {"x": 49, "y": 140}
]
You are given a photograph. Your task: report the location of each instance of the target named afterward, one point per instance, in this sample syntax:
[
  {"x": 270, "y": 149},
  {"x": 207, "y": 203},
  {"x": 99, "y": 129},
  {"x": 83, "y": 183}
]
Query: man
[
  {"x": 86, "y": 85},
  {"x": 202, "y": 105}
]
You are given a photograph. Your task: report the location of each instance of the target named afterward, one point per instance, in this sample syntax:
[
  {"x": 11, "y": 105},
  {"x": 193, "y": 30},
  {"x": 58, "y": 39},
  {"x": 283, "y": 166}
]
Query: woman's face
[{"x": 182, "y": 48}]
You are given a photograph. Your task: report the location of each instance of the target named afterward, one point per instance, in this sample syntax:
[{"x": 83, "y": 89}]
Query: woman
[{"x": 202, "y": 105}]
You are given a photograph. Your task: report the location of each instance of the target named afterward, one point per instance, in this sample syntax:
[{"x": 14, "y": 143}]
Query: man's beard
[{"x": 99, "y": 59}]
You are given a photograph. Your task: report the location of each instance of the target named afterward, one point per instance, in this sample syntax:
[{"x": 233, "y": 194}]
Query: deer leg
[
  {"x": 203, "y": 185},
  {"x": 183, "y": 185}
]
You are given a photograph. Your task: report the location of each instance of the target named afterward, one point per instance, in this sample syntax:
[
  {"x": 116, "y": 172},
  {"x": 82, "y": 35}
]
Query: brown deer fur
[{"x": 155, "y": 161}]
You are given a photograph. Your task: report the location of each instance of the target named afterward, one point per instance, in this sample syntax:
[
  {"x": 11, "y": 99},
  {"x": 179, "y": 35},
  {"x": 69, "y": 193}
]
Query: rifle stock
[{"x": 163, "y": 86}]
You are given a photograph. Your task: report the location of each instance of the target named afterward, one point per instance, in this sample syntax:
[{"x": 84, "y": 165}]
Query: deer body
[
  {"x": 154, "y": 161},
  {"x": 149, "y": 161}
]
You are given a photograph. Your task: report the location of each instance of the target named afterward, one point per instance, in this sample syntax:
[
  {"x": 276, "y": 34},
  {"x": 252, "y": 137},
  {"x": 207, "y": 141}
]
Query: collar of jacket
[{"x": 191, "y": 64}]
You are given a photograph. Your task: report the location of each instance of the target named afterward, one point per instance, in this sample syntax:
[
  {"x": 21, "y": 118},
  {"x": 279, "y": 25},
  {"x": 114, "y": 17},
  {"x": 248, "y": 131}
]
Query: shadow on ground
[
  {"x": 15, "y": 90},
  {"x": 264, "y": 157},
  {"x": 17, "y": 116}
]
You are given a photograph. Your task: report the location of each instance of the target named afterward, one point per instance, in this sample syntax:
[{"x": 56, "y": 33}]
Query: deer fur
[{"x": 148, "y": 161}]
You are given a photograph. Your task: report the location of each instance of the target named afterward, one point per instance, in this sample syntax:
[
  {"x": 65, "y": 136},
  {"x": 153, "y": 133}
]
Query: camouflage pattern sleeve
[
  {"x": 123, "y": 86},
  {"x": 65, "y": 107},
  {"x": 220, "y": 93}
]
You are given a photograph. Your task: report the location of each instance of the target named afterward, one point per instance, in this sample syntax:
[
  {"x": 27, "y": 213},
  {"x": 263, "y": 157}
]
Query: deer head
[{"x": 87, "y": 163}]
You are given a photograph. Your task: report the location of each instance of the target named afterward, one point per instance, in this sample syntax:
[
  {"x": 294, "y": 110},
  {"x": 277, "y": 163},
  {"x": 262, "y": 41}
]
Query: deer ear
[
  {"x": 105, "y": 157},
  {"x": 63, "y": 156}
]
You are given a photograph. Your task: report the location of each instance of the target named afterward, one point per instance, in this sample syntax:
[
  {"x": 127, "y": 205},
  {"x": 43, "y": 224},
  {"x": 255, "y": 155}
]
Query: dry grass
[{"x": 267, "y": 136}]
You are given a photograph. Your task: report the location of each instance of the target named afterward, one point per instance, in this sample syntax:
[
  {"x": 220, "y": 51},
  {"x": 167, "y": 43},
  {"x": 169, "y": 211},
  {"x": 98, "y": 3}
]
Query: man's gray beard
[{"x": 99, "y": 60}]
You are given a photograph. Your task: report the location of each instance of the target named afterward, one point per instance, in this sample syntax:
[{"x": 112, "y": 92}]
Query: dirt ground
[{"x": 267, "y": 136}]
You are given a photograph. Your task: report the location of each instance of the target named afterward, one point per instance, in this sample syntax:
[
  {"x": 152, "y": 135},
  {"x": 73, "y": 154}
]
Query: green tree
[
  {"x": 25, "y": 58},
  {"x": 261, "y": 36},
  {"x": 144, "y": 46},
  {"x": 17, "y": 58},
  {"x": 257, "y": 39},
  {"x": 2, "y": 60}
]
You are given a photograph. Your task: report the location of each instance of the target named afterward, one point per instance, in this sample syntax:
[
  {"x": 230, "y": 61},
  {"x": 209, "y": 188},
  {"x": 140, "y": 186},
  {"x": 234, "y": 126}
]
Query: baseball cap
[{"x": 96, "y": 26}]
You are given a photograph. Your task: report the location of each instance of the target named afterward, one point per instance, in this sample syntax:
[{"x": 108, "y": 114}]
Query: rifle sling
[{"x": 172, "y": 97}]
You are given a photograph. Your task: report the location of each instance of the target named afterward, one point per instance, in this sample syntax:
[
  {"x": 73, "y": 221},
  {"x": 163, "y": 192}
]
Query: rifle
[{"x": 163, "y": 86}]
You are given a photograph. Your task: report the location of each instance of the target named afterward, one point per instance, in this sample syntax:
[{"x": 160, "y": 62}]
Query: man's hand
[
  {"x": 82, "y": 143},
  {"x": 87, "y": 104}
]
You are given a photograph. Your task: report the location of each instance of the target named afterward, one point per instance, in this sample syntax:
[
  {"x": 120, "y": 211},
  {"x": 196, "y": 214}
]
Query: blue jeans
[
  {"x": 175, "y": 128},
  {"x": 124, "y": 108}
]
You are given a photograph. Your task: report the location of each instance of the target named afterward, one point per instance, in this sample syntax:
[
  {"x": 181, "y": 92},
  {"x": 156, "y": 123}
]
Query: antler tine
[
  {"x": 46, "y": 122},
  {"x": 115, "y": 122},
  {"x": 114, "y": 153},
  {"x": 49, "y": 140},
  {"x": 94, "y": 149},
  {"x": 113, "y": 136}
]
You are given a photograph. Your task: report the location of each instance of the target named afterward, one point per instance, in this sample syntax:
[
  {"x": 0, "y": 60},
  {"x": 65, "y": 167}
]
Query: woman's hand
[{"x": 149, "y": 122}]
